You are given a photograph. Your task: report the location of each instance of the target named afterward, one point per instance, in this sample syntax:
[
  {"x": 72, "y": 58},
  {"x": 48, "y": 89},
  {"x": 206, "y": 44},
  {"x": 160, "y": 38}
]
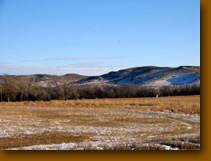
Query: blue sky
[{"x": 93, "y": 37}]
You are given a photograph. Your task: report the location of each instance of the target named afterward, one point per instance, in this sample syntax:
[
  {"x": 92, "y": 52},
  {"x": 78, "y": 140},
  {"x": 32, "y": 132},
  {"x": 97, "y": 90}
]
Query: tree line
[{"x": 23, "y": 89}]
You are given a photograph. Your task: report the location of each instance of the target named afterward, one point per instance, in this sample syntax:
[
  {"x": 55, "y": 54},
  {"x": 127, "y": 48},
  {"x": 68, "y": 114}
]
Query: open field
[
  {"x": 168, "y": 123},
  {"x": 185, "y": 104}
]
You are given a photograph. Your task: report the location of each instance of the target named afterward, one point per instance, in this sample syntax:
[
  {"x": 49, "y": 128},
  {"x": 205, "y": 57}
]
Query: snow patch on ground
[{"x": 13, "y": 125}]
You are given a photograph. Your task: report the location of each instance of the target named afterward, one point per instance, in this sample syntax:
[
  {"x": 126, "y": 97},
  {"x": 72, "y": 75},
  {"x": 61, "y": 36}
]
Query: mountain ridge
[
  {"x": 149, "y": 76},
  {"x": 138, "y": 76}
]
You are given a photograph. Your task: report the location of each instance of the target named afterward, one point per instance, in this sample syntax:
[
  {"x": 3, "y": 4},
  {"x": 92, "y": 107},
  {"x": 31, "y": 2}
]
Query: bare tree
[{"x": 10, "y": 88}]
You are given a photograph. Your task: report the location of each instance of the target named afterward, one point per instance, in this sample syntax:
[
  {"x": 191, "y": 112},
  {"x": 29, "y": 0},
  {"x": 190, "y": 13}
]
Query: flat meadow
[{"x": 164, "y": 123}]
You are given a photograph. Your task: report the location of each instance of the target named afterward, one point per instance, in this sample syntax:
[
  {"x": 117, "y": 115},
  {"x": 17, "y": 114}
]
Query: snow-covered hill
[
  {"x": 149, "y": 76},
  {"x": 139, "y": 76}
]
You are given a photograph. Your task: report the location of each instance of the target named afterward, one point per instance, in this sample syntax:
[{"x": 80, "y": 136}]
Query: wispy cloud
[
  {"x": 93, "y": 64},
  {"x": 78, "y": 58},
  {"x": 83, "y": 58},
  {"x": 5, "y": 63},
  {"x": 58, "y": 70}
]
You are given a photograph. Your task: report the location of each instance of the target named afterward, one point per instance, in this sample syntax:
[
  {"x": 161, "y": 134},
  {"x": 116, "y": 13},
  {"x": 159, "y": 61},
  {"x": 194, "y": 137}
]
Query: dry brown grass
[
  {"x": 39, "y": 139},
  {"x": 179, "y": 143},
  {"x": 34, "y": 126},
  {"x": 80, "y": 122},
  {"x": 186, "y": 104}
]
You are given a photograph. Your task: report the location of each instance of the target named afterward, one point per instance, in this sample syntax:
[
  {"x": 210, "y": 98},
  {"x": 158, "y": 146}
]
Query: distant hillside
[
  {"x": 139, "y": 76},
  {"x": 148, "y": 76},
  {"x": 148, "y": 81},
  {"x": 47, "y": 80},
  {"x": 52, "y": 80}
]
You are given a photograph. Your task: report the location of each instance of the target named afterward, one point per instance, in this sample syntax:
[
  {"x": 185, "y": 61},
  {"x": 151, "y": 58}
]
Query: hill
[
  {"x": 47, "y": 80},
  {"x": 139, "y": 76},
  {"x": 148, "y": 76}
]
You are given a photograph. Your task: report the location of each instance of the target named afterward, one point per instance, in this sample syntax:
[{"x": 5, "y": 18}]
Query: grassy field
[
  {"x": 168, "y": 123},
  {"x": 186, "y": 104}
]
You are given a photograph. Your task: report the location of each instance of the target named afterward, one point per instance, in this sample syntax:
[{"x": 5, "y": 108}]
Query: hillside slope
[
  {"x": 45, "y": 80},
  {"x": 149, "y": 76},
  {"x": 139, "y": 76}
]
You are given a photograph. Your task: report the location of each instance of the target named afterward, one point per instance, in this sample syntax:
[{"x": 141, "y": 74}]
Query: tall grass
[{"x": 185, "y": 104}]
